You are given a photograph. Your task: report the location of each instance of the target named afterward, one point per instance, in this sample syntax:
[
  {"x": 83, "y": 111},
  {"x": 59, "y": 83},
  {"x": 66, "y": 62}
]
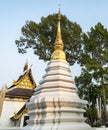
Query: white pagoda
[{"x": 55, "y": 104}]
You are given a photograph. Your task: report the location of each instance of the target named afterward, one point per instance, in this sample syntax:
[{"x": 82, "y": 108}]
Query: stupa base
[{"x": 59, "y": 126}]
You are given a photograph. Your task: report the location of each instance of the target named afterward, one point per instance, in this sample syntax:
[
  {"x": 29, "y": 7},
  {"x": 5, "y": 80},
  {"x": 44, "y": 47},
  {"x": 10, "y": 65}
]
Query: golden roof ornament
[{"x": 58, "y": 46}]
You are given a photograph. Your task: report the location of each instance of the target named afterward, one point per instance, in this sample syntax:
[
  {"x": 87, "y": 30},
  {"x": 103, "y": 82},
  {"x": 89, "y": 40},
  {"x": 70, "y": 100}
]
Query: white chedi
[{"x": 55, "y": 104}]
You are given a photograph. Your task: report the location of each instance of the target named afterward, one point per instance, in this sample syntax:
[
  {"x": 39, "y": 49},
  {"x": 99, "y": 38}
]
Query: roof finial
[
  {"x": 58, "y": 53},
  {"x": 25, "y": 66}
]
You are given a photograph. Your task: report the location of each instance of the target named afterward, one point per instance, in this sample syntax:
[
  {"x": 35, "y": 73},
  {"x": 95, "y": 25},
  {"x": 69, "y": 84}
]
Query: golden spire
[{"x": 58, "y": 46}]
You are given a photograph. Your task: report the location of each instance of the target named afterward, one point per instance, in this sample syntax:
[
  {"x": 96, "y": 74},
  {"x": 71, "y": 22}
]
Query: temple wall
[
  {"x": 9, "y": 107},
  {"x": 2, "y": 97}
]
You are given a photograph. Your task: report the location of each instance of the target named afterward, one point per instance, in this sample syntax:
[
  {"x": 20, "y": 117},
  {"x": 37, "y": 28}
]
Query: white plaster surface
[
  {"x": 17, "y": 128},
  {"x": 9, "y": 107}
]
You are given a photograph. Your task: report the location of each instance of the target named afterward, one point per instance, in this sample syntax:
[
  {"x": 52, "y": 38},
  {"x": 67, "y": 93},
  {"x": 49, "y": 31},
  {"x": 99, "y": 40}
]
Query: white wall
[{"x": 9, "y": 107}]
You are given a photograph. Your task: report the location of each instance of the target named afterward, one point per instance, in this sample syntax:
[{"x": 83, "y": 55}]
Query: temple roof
[
  {"x": 25, "y": 80},
  {"x": 24, "y": 86},
  {"x": 20, "y": 92},
  {"x": 19, "y": 114}
]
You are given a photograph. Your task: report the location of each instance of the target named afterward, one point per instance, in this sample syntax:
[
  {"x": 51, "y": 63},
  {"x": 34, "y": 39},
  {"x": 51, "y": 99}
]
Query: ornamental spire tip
[{"x": 58, "y": 53}]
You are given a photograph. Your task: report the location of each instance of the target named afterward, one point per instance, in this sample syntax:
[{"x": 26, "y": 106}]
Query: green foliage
[
  {"x": 41, "y": 37},
  {"x": 92, "y": 115},
  {"x": 94, "y": 59},
  {"x": 106, "y": 90},
  {"x": 94, "y": 56},
  {"x": 87, "y": 90}
]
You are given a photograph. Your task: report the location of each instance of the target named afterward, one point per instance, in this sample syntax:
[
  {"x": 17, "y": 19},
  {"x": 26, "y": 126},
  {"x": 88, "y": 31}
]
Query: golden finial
[{"x": 58, "y": 46}]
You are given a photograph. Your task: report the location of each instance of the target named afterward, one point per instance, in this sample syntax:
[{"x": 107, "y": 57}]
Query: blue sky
[{"x": 14, "y": 14}]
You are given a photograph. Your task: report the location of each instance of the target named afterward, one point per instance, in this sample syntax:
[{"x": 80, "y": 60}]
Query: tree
[
  {"x": 41, "y": 36},
  {"x": 87, "y": 90},
  {"x": 92, "y": 116},
  {"x": 95, "y": 58}
]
